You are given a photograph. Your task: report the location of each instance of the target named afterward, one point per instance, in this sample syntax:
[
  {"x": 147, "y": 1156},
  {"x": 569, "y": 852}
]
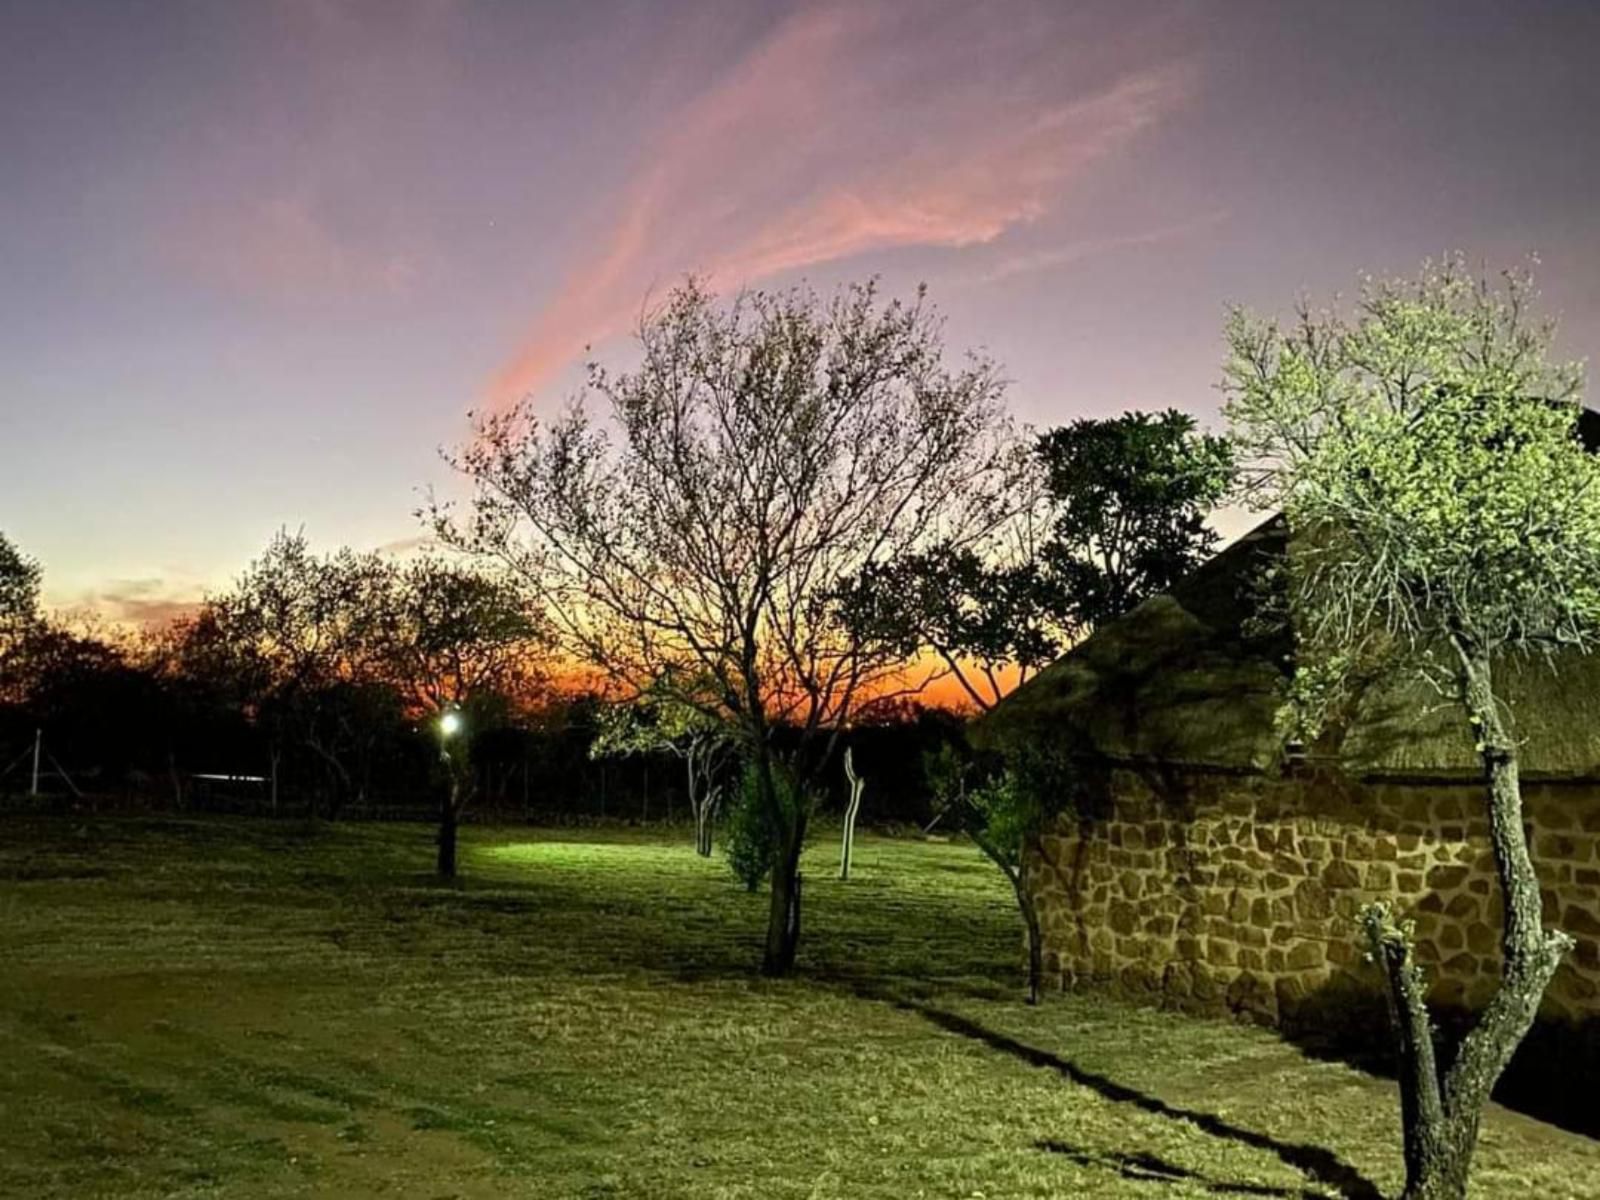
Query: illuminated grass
[{"x": 230, "y": 1008}]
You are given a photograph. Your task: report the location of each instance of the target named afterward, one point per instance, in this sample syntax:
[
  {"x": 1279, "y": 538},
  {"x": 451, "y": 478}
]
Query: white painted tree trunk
[{"x": 857, "y": 786}]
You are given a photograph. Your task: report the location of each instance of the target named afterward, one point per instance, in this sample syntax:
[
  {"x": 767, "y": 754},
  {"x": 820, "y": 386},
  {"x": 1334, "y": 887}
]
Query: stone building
[{"x": 1206, "y": 866}]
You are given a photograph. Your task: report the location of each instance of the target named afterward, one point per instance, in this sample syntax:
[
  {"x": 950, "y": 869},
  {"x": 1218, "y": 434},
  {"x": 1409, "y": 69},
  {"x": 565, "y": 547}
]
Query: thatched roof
[
  {"x": 1180, "y": 681},
  {"x": 1176, "y": 680},
  {"x": 1401, "y": 727}
]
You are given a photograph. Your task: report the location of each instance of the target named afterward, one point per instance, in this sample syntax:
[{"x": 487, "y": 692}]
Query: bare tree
[
  {"x": 1445, "y": 519},
  {"x": 760, "y": 455}
]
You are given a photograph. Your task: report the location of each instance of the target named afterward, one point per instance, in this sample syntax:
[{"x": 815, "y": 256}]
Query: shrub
[{"x": 751, "y": 840}]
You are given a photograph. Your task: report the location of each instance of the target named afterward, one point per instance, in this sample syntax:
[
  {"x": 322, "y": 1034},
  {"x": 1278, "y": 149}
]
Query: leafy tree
[
  {"x": 1123, "y": 504},
  {"x": 1445, "y": 520},
  {"x": 980, "y": 615},
  {"x": 660, "y": 721},
  {"x": 334, "y": 653},
  {"x": 83, "y": 683},
  {"x": 305, "y": 631},
  {"x": 74, "y": 682},
  {"x": 1005, "y": 801},
  {"x": 760, "y": 455},
  {"x": 227, "y": 672},
  {"x": 1115, "y": 512},
  {"x": 19, "y": 610},
  {"x": 19, "y": 584},
  {"x": 448, "y": 631},
  {"x": 455, "y": 640},
  {"x": 1129, "y": 497},
  {"x": 201, "y": 695},
  {"x": 106, "y": 706}
]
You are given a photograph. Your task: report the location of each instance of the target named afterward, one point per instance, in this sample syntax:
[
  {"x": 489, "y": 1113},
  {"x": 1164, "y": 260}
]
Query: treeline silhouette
[{"x": 312, "y": 688}]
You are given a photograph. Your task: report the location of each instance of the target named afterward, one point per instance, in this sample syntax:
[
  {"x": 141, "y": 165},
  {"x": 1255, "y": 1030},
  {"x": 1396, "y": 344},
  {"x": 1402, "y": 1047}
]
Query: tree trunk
[
  {"x": 275, "y": 756},
  {"x": 848, "y": 841},
  {"x": 1442, "y": 1116},
  {"x": 783, "y": 915},
  {"x": 1016, "y": 877},
  {"x": 177, "y": 780},
  {"x": 705, "y": 815},
  {"x": 1422, "y": 1115},
  {"x": 700, "y": 794},
  {"x": 449, "y": 814},
  {"x": 1441, "y": 1169},
  {"x": 1030, "y": 917},
  {"x": 336, "y": 774}
]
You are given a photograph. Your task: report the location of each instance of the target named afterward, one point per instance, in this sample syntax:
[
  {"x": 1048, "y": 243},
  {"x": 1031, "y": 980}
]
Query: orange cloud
[
  {"x": 848, "y": 130},
  {"x": 140, "y": 603}
]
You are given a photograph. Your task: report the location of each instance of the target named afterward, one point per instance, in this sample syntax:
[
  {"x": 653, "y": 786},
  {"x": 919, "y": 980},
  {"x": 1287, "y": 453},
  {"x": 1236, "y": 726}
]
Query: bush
[
  {"x": 750, "y": 838},
  {"x": 1009, "y": 793}
]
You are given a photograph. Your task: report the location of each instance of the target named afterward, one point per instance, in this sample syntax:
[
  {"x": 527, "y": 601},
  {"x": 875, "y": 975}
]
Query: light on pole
[{"x": 450, "y": 723}]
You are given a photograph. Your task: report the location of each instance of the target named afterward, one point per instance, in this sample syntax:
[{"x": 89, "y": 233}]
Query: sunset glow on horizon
[{"x": 261, "y": 260}]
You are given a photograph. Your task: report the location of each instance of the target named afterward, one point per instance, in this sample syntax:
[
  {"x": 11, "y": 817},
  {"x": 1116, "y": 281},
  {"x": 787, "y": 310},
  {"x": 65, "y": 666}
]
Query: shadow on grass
[
  {"x": 1147, "y": 1168},
  {"x": 1320, "y": 1164},
  {"x": 1550, "y": 1078}
]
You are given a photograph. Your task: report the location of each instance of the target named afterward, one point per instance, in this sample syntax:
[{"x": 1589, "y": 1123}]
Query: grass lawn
[{"x": 228, "y": 1008}]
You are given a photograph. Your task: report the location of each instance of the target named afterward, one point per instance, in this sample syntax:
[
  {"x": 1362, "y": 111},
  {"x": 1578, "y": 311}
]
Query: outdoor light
[{"x": 450, "y": 724}]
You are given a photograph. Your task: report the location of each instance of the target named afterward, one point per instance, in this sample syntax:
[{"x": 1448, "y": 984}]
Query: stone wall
[{"x": 1242, "y": 891}]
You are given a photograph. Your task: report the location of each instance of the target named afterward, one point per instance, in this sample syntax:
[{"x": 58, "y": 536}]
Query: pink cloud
[
  {"x": 849, "y": 130},
  {"x": 1051, "y": 257},
  {"x": 934, "y": 202}
]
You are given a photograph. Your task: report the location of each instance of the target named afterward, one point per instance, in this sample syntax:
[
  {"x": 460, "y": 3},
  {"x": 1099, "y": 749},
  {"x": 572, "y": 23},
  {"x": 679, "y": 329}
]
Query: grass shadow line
[
  {"x": 1317, "y": 1162},
  {"x": 1149, "y": 1168}
]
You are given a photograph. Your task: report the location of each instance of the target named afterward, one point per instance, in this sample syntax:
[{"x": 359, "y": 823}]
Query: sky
[{"x": 259, "y": 261}]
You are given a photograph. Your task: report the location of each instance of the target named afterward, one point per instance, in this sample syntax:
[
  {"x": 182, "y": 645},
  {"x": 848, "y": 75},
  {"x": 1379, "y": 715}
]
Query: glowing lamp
[{"x": 450, "y": 724}]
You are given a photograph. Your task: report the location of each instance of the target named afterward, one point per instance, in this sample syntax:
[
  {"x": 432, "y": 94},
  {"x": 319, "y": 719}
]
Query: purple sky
[{"x": 258, "y": 260}]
